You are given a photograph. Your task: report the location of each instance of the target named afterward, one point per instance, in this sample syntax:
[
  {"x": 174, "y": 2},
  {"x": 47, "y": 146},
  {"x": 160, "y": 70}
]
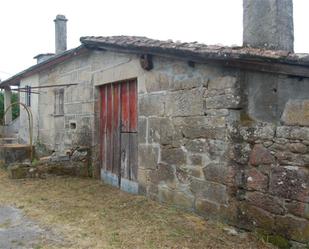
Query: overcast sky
[{"x": 27, "y": 27}]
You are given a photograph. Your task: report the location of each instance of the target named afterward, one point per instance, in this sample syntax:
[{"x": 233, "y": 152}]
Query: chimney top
[
  {"x": 60, "y": 17},
  {"x": 60, "y": 34},
  {"x": 268, "y": 24}
]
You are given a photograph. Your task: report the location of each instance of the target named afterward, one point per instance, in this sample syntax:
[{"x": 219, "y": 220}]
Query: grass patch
[{"x": 89, "y": 214}]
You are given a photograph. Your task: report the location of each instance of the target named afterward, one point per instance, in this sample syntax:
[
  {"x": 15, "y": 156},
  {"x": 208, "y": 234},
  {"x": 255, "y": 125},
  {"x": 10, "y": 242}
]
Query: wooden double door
[{"x": 118, "y": 134}]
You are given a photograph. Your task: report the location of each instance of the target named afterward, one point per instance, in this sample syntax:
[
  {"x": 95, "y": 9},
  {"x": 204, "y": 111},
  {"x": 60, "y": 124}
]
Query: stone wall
[
  {"x": 203, "y": 147},
  {"x": 185, "y": 114},
  {"x": 224, "y": 143},
  {"x": 274, "y": 193},
  {"x": 75, "y": 126}
]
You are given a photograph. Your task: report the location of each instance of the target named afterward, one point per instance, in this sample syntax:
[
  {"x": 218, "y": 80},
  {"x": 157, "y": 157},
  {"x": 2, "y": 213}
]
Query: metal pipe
[
  {"x": 48, "y": 86},
  {"x": 30, "y": 122},
  {"x": 18, "y": 90}
]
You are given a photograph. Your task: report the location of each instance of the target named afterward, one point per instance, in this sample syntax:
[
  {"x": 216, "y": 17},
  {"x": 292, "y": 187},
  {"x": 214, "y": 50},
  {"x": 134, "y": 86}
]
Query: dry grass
[{"x": 87, "y": 214}]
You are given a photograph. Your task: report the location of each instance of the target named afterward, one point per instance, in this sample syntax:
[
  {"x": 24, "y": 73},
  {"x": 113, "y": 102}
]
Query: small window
[
  {"x": 28, "y": 95},
  {"x": 59, "y": 100}
]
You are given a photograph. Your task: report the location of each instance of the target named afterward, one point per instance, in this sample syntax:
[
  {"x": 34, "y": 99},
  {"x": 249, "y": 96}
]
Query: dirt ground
[{"x": 84, "y": 213}]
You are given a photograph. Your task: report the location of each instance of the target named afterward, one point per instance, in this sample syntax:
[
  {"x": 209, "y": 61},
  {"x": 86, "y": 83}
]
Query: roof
[
  {"x": 192, "y": 49},
  {"x": 281, "y": 62}
]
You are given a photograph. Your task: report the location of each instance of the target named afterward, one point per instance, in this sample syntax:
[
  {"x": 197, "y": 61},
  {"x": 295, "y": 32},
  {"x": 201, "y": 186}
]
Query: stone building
[{"x": 222, "y": 131}]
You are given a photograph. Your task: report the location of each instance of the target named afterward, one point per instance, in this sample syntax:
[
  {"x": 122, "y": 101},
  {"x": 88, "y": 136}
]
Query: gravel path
[{"x": 16, "y": 231}]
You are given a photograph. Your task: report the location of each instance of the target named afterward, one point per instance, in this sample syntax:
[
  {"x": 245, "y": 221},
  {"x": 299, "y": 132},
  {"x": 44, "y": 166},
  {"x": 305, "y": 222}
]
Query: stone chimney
[
  {"x": 60, "y": 34},
  {"x": 268, "y": 24}
]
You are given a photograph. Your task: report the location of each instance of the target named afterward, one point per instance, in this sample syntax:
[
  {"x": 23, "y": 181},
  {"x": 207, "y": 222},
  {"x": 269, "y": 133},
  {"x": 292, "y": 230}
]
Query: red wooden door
[{"x": 118, "y": 132}]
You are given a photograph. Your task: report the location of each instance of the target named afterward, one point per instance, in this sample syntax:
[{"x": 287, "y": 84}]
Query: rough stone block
[
  {"x": 183, "y": 199},
  {"x": 267, "y": 202},
  {"x": 239, "y": 153},
  {"x": 165, "y": 194},
  {"x": 195, "y": 159},
  {"x": 201, "y": 127},
  {"x": 162, "y": 130},
  {"x": 298, "y": 148},
  {"x": 185, "y": 103},
  {"x": 301, "y": 133},
  {"x": 151, "y": 104},
  {"x": 183, "y": 174},
  {"x": 289, "y": 158},
  {"x": 197, "y": 145},
  {"x": 251, "y": 217},
  {"x": 157, "y": 81},
  {"x": 87, "y": 108},
  {"x": 219, "y": 172},
  {"x": 142, "y": 129},
  {"x": 148, "y": 156},
  {"x": 173, "y": 156},
  {"x": 283, "y": 131},
  {"x": 299, "y": 209},
  {"x": 207, "y": 208},
  {"x": 217, "y": 112},
  {"x": 73, "y": 108},
  {"x": 189, "y": 82},
  {"x": 226, "y": 101},
  {"x": 296, "y": 112},
  {"x": 256, "y": 180},
  {"x": 257, "y": 132},
  {"x": 212, "y": 191},
  {"x": 260, "y": 155},
  {"x": 143, "y": 176},
  {"x": 195, "y": 171},
  {"x": 222, "y": 83},
  {"x": 164, "y": 173},
  {"x": 218, "y": 149},
  {"x": 84, "y": 75},
  {"x": 293, "y": 228},
  {"x": 290, "y": 183}
]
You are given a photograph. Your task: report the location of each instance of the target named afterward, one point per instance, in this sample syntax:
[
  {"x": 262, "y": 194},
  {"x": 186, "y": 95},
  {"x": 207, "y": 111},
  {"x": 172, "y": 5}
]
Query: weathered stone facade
[
  {"x": 75, "y": 126},
  {"x": 226, "y": 143},
  {"x": 274, "y": 192},
  {"x": 185, "y": 117}
]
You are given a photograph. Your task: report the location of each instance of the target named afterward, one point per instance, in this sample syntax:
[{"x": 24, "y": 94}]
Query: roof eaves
[{"x": 14, "y": 80}]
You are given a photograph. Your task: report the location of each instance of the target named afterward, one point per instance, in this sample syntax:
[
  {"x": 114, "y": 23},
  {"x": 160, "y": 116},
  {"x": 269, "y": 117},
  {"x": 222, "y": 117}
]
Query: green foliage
[
  {"x": 15, "y": 108},
  {"x": 277, "y": 240}
]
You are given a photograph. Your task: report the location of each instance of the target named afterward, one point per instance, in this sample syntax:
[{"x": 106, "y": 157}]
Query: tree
[{"x": 15, "y": 108}]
